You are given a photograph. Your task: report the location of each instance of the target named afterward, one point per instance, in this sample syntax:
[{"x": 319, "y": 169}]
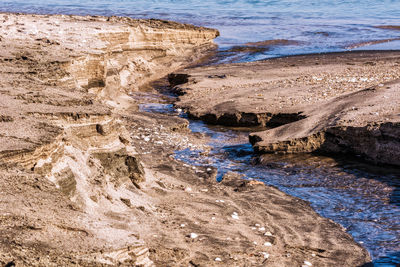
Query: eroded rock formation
[
  {"x": 335, "y": 103},
  {"x": 61, "y": 77}
]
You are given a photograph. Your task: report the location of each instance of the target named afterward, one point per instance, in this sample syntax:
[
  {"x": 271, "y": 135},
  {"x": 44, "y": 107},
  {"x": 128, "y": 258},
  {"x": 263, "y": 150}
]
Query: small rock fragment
[
  {"x": 268, "y": 244},
  {"x": 193, "y": 235},
  {"x": 218, "y": 259},
  {"x": 266, "y": 255},
  {"x": 307, "y": 263}
]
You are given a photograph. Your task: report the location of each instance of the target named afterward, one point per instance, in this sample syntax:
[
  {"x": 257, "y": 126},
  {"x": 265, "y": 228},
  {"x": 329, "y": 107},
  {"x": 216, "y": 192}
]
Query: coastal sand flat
[
  {"x": 307, "y": 95},
  {"x": 88, "y": 180}
]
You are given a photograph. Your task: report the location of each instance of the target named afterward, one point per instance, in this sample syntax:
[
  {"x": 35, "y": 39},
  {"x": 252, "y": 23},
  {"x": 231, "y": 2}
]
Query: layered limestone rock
[
  {"x": 61, "y": 77},
  {"x": 365, "y": 123},
  {"x": 335, "y": 103}
]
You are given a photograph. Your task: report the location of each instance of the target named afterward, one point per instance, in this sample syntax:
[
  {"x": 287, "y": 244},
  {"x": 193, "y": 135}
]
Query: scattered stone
[
  {"x": 268, "y": 244},
  {"x": 265, "y": 254},
  {"x": 235, "y": 216},
  {"x": 193, "y": 235},
  {"x": 307, "y": 263},
  {"x": 218, "y": 259}
]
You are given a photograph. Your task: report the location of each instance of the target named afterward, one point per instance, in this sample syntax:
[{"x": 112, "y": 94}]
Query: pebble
[
  {"x": 235, "y": 216},
  {"x": 258, "y": 225},
  {"x": 147, "y": 139},
  {"x": 268, "y": 234},
  {"x": 182, "y": 225},
  {"x": 218, "y": 259},
  {"x": 212, "y": 218},
  {"x": 188, "y": 189},
  {"x": 193, "y": 235},
  {"x": 266, "y": 255},
  {"x": 268, "y": 244},
  {"x": 307, "y": 263},
  {"x": 261, "y": 229}
]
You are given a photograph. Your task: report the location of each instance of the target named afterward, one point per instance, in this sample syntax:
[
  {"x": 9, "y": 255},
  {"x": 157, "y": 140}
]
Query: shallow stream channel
[{"x": 363, "y": 198}]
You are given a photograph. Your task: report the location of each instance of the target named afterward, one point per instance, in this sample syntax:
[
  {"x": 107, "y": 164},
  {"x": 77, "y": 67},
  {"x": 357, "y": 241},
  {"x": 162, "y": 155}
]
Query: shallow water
[
  {"x": 318, "y": 25},
  {"x": 363, "y": 198}
]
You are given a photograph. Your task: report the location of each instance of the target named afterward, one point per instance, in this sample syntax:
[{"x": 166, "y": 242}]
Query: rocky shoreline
[
  {"x": 344, "y": 103},
  {"x": 90, "y": 180}
]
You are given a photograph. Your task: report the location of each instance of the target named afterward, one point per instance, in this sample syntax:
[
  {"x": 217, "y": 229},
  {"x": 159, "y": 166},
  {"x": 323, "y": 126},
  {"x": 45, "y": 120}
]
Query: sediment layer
[
  {"x": 61, "y": 141},
  {"x": 336, "y": 103}
]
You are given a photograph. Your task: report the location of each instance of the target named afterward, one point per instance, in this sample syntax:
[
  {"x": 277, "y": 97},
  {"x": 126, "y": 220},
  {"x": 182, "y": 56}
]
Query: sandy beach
[{"x": 89, "y": 179}]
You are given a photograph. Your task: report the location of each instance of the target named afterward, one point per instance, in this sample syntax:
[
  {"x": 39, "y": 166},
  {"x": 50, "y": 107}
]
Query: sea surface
[
  {"x": 314, "y": 25},
  {"x": 364, "y": 199}
]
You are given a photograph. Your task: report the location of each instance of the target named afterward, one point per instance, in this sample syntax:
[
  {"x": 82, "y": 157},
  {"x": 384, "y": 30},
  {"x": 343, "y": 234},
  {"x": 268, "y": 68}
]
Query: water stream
[{"x": 365, "y": 199}]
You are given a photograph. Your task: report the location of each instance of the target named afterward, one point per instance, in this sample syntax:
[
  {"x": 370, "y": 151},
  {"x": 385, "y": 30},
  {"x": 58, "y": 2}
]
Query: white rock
[
  {"x": 147, "y": 139},
  {"x": 255, "y": 243},
  {"x": 218, "y": 259},
  {"x": 182, "y": 225},
  {"x": 212, "y": 218},
  {"x": 188, "y": 189},
  {"x": 235, "y": 216},
  {"x": 253, "y": 228},
  {"x": 268, "y": 244},
  {"x": 258, "y": 225},
  {"x": 261, "y": 229},
  {"x": 267, "y": 234},
  {"x": 307, "y": 263},
  {"x": 266, "y": 255},
  {"x": 193, "y": 235},
  {"x": 209, "y": 169}
]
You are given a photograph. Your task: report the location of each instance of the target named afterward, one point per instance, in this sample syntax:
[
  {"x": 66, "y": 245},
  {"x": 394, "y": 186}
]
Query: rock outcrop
[
  {"x": 61, "y": 80},
  {"x": 335, "y": 103}
]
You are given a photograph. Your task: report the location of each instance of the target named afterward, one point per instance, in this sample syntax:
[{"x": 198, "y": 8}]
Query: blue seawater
[{"x": 317, "y": 25}]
